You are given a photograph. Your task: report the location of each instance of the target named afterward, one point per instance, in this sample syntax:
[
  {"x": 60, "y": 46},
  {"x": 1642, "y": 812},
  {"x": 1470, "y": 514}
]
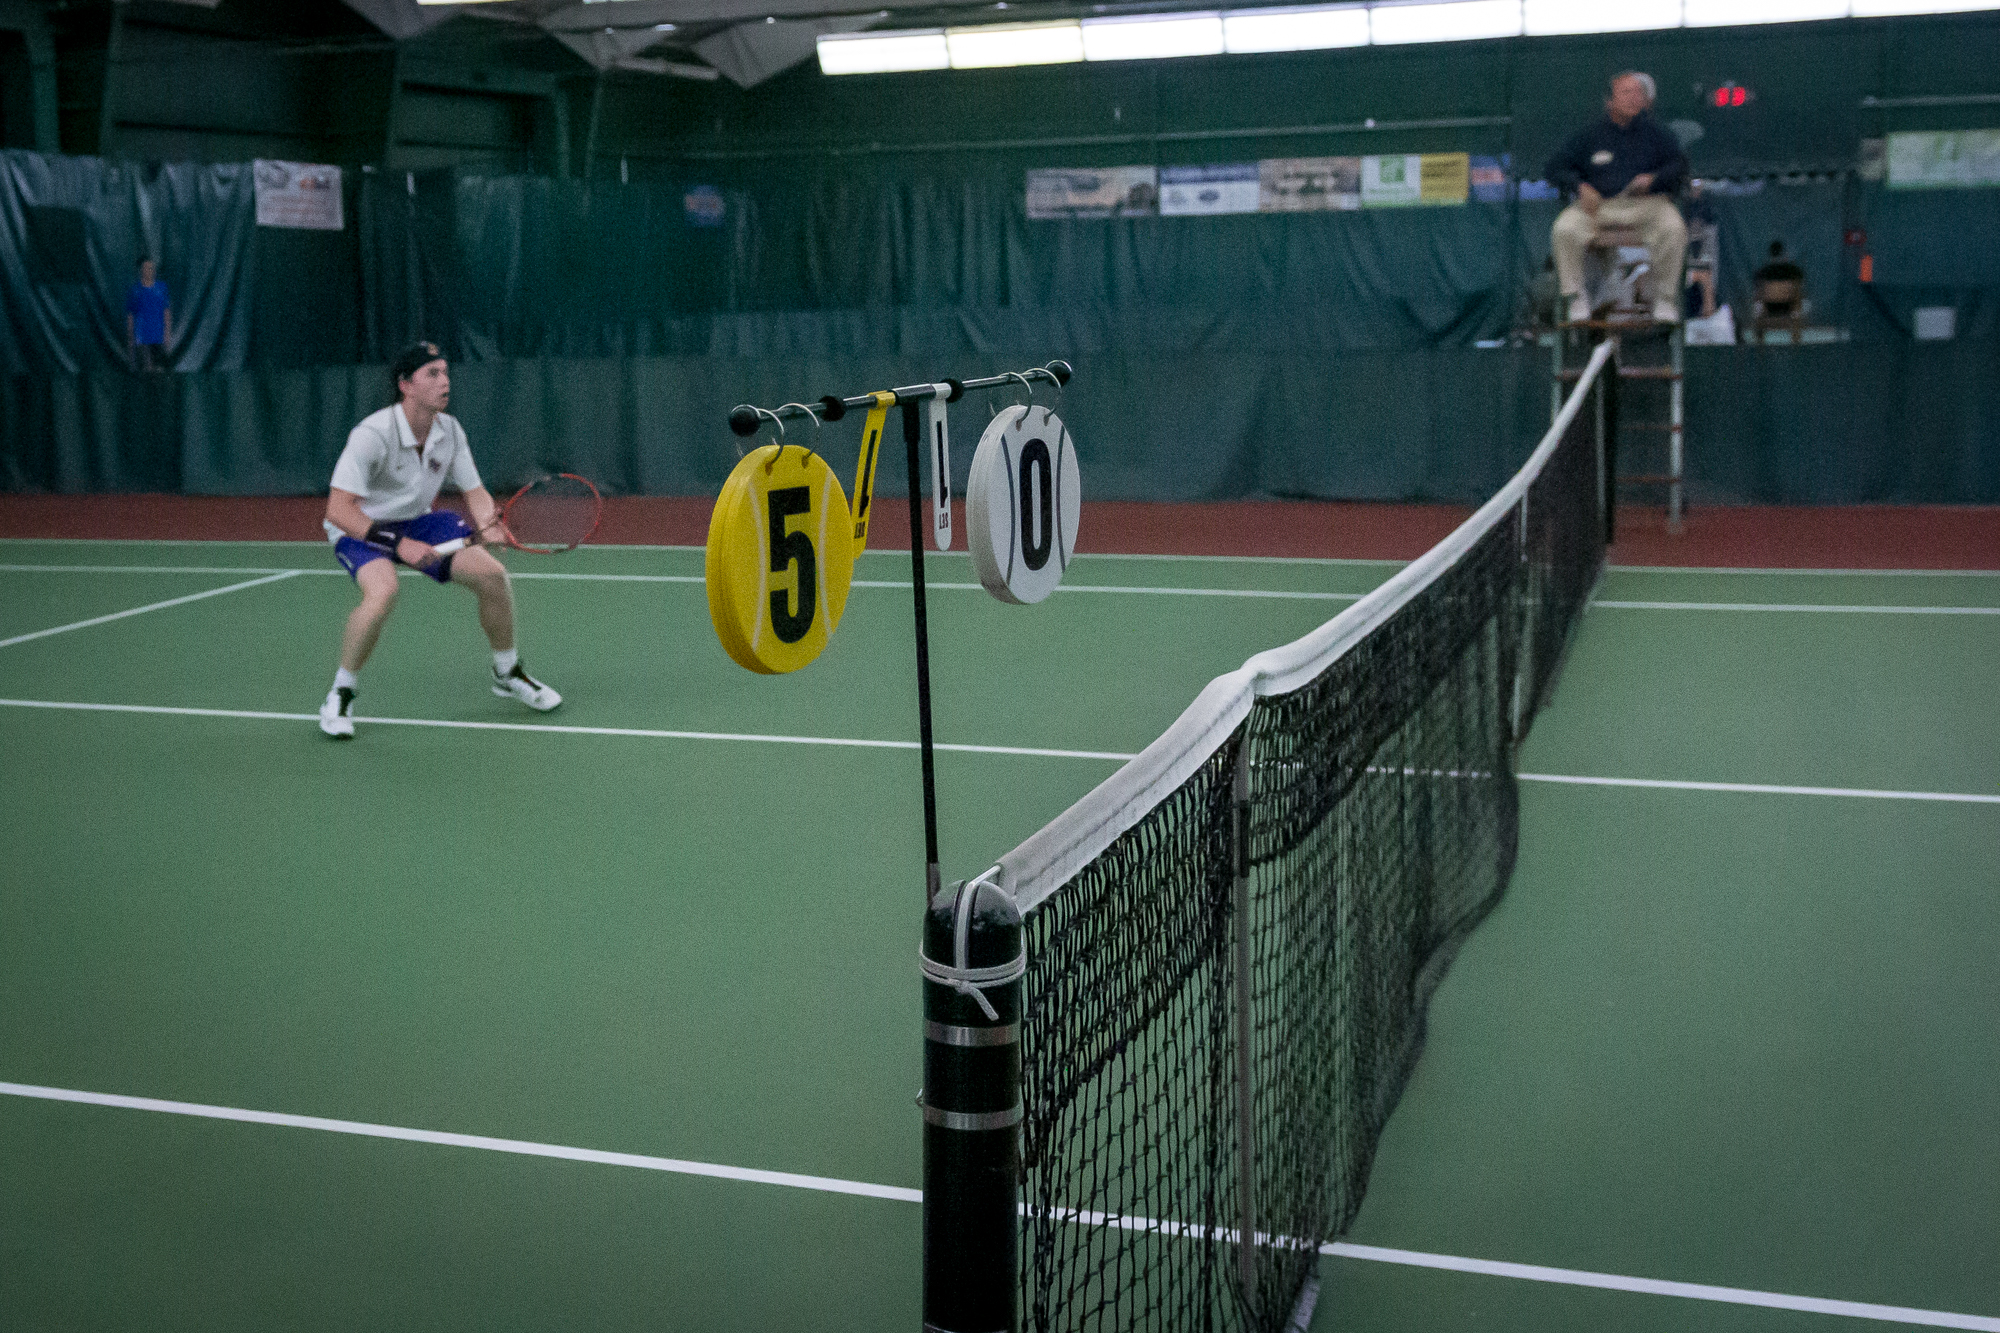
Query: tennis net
[{"x": 1232, "y": 941}]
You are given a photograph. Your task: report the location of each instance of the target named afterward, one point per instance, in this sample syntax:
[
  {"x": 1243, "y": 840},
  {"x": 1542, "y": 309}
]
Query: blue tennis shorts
[{"x": 440, "y": 525}]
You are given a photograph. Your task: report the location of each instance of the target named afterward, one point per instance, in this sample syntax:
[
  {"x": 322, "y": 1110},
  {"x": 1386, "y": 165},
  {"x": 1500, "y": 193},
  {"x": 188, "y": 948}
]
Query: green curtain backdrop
[
  {"x": 1832, "y": 424},
  {"x": 595, "y": 325}
]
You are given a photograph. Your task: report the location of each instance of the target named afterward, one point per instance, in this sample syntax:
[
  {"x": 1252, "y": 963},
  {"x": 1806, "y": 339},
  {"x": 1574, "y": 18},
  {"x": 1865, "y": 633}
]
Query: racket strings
[{"x": 554, "y": 514}]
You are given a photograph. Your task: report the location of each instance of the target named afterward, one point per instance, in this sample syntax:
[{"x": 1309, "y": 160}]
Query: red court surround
[{"x": 1852, "y": 537}]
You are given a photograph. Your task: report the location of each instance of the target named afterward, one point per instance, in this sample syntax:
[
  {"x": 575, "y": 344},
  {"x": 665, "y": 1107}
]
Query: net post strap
[
  {"x": 968, "y": 981},
  {"x": 1054, "y": 855}
]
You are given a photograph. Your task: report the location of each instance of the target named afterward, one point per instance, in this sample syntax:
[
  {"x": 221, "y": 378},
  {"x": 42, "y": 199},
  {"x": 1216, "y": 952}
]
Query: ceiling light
[
  {"x": 1015, "y": 44},
  {"x": 1152, "y": 37},
  {"x": 1316, "y": 29},
  {"x": 1869, "y": 9},
  {"x": 1548, "y": 18},
  {"x": 1718, "y": 13},
  {"x": 883, "y": 53},
  {"x": 1454, "y": 21}
]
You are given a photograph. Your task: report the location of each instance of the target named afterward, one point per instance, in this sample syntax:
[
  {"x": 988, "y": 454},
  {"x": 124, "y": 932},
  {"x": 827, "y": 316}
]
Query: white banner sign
[
  {"x": 1226, "y": 189},
  {"x": 1094, "y": 192},
  {"x": 297, "y": 194},
  {"x": 1929, "y": 160},
  {"x": 1308, "y": 184}
]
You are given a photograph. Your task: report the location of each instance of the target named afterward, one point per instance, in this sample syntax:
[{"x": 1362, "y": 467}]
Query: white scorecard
[
  {"x": 937, "y": 438},
  {"x": 1023, "y": 504}
]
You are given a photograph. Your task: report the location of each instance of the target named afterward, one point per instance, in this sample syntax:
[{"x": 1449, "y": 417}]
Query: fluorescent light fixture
[
  {"x": 1873, "y": 9},
  {"x": 1549, "y": 18},
  {"x": 1452, "y": 21},
  {"x": 1015, "y": 44},
  {"x": 1152, "y": 37},
  {"x": 1312, "y": 28},
  {"x": 883, "y": 53},
  {"x": 1317, "y": 29},
  {"x": 1719, "y": 13}
]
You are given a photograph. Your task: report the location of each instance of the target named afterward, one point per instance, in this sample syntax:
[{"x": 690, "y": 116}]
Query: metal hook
[
  {"x": 1027, "y": 384},
  {"x": 811, "y": 451},
  {"x": 1044, "y": 372},
  {"x": 777, "y": 421}
]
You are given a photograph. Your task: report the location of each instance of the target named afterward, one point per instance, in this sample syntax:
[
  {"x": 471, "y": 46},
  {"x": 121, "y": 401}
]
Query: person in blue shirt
[
  {"x": 1622, "y": 171},
  {"x": 149, "y": 319}
]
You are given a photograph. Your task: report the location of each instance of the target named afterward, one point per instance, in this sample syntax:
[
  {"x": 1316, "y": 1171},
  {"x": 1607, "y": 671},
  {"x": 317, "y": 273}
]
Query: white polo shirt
[{"x": 395, "y": 478}]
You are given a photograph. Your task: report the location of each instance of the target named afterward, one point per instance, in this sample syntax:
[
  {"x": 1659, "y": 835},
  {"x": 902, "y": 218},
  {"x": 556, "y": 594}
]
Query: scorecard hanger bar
[{"x": 744, "y": 418}]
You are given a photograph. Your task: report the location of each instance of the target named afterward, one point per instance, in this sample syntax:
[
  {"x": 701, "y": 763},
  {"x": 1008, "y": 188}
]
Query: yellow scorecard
[
  {"x": 780, "y": 558},
  {"x": 864, "y": 467}
]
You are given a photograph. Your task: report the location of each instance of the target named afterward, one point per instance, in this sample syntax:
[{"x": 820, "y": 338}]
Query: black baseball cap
[{"x": 414, "y": 358}]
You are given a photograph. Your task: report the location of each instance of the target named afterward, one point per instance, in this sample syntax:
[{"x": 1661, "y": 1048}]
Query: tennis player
[{"x": 379, "y": 516}]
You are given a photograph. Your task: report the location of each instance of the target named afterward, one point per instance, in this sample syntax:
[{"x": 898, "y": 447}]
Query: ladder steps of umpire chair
[
  {"x": 1643, "y": 342},
  {"x": 1629, "y": 373}
]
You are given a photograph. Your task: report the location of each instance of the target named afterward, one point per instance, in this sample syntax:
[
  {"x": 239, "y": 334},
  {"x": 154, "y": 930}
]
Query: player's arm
[
  {"x": 485, "y": 513},
  {"x": 343, "y": 510}
]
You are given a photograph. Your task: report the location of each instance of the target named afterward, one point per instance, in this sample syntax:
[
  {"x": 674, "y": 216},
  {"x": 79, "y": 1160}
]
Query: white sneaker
[
  {"x": 1579, "y": 308},
  {"x": 1666, "y": 312},
  {"x": 336, "y": 715},
  {"x": 518, "y": 684}
]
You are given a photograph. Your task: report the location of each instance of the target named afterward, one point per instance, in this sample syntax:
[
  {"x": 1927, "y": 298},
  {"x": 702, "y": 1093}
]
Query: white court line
[
  {"x": 691, "y": 578},
  {"x": 1830, "y": 573},
  {"x": 141, "y": 610},
  {"x": 677, "y": 1166},
  {"x": 1763, "y": 789},
  {"x": 1088, "y": 555},
  {"x": 1129, "y": 588},
  {"x": 1892, "y": 1314},
  {"x": 1803, "y": 606},
  {"x": 1269, "y": 593},
  {"x": 851, "y": 742},
  {"x": 1895, "y": 1314},
  {"x": 162, "y": 569},
  {"x": 644, "y": 733}
]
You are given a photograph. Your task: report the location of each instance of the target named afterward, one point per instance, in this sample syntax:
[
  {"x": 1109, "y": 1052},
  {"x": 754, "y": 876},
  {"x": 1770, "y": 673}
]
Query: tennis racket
[{"x": 549, "y": 515}]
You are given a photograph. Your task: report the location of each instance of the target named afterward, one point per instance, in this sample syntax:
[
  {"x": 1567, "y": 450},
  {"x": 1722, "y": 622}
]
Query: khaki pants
[{"x": 1660, "y": 230}]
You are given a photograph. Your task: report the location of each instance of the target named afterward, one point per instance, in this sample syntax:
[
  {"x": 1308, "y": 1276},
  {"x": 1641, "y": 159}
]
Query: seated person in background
[
  {"x": 1623, "y": 171},
  {"x": 1780, "y": 285}
]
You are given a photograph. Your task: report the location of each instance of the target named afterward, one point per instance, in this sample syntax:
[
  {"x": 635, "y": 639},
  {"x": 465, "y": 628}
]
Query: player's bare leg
[
  {"x": 377, "y": 581},
  {"x": 478, "y": 570},
  {"x": 475, "y": 568}
]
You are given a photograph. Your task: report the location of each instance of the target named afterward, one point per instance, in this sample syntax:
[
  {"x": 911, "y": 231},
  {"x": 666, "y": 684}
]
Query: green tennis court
[{"x": 1732, "y": 1026}]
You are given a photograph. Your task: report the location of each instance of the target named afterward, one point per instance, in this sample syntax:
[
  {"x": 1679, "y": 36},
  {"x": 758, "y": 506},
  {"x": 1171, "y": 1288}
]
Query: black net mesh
[{"x": 1210, "y": 1056}]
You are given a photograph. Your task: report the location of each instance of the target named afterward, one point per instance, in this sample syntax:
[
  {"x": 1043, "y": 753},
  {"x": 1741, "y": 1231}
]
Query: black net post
[
  {"x": 1607, "y": 444},
  {"x": 973, "y": 961},
  {"x": 912, "y": 441}
]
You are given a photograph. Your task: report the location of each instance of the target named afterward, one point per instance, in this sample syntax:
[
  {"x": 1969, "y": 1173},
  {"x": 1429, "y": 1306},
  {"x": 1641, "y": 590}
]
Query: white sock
[
  {"x": 504, "y": 660},
  {"x": 344, "y": 679}
]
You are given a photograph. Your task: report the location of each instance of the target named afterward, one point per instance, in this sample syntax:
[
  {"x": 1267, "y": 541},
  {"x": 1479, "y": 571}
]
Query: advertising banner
[
  {"x": 297, "y": 194},
  {"x": 1308, "y": 184},
  {"x": 1187, "y": 191},
  {"x": 1943, "y": 159},
  {"x": 1094, "y": 192}
]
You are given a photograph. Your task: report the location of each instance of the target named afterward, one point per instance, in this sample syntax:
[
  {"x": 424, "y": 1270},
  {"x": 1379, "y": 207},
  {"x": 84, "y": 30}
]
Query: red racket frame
[{"x": 597, "y": 515}]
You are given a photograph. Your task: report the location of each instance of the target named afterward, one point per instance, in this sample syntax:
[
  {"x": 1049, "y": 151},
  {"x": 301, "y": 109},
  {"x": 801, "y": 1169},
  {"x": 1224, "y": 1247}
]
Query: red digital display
[{"x": 1731, "y": 94}]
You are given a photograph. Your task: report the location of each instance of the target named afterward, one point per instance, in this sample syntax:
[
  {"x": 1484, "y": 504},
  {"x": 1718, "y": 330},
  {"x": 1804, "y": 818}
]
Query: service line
[
  {"x": 1894, "y": 1314},
  {"x": 863, "y": 743},
  {"x": 565, "y": 576},
  {"x": 152, "y": 606}
]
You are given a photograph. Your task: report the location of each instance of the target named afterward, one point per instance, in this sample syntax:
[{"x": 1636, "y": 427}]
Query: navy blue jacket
[{"x": 1608, "y": 157}]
